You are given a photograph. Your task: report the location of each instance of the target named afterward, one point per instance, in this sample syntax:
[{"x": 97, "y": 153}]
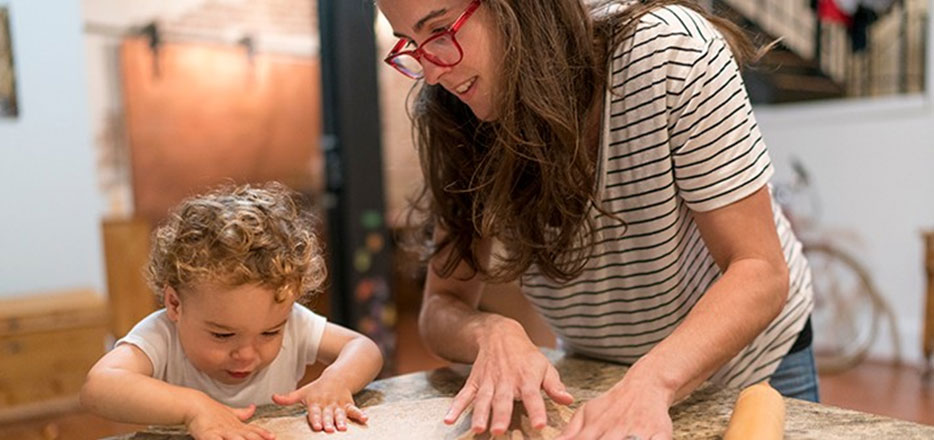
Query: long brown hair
[{"x": 528, "y": 179}]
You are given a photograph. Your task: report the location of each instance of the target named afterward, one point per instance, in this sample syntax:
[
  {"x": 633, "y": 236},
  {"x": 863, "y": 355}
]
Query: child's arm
[
  {"x": 121, "y": 387},
  {"x": 354, "y": 360}
]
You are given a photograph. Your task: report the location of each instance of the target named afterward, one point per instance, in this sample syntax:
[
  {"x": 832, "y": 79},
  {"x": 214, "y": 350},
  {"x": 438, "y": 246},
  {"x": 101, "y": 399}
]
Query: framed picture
[{"x": 8, "y": 108}]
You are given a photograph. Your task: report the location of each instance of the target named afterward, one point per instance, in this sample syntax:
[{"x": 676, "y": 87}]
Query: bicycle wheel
[{"x": 847, "y": 308}]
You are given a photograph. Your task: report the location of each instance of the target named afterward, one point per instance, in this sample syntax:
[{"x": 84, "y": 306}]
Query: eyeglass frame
[{"x": 418, "y": 53}]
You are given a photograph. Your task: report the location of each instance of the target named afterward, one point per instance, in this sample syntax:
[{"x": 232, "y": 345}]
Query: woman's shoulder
[
  {"x": 666, "y": 28},
  {"x": 679, "y": 19}
]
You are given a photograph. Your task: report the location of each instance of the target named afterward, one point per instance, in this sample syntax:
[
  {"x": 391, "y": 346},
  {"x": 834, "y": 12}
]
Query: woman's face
[{"x": 475, "y": 78}]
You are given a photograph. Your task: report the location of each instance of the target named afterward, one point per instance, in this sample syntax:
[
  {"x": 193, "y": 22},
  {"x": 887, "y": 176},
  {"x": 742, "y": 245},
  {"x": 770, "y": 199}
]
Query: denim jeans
[{"x": 796, "y": 376}]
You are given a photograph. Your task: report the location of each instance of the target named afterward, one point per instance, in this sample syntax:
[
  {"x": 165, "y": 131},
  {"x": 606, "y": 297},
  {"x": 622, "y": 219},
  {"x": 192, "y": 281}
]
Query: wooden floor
[
  {"x": 874, "y": 387},
  {"x": 882, "y": 388}
]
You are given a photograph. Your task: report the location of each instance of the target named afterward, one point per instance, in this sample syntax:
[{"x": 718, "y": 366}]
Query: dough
[{"x": 420, "y": 419}]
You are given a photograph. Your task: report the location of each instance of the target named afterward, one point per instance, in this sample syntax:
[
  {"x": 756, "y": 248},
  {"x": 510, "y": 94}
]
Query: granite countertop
[{"x": 703, "y": 415}]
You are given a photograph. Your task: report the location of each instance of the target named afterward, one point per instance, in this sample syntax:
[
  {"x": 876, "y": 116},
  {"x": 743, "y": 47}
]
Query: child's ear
[{"x": 172, "y": 303}]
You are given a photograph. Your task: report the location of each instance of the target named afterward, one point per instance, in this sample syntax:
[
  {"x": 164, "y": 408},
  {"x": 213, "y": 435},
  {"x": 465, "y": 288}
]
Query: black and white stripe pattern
[{"x": 679, "y": 136}]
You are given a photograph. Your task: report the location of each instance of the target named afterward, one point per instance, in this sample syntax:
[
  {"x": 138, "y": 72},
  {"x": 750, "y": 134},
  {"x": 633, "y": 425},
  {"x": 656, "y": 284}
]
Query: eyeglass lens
[{"x": 440, "y": 50}]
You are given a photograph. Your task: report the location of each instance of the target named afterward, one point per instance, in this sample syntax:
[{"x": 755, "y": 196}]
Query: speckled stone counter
[{"x": 703, "y": 415}]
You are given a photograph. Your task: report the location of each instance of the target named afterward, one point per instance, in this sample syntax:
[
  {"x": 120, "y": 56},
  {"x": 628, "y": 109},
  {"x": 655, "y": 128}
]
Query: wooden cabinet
[
  {"x": 47, "y": 344},
  {"x": 126, "y": 251}
]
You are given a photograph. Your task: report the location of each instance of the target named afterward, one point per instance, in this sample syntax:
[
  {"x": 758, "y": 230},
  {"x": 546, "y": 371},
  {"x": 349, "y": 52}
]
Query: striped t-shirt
[{"x": 678, "y": 136}]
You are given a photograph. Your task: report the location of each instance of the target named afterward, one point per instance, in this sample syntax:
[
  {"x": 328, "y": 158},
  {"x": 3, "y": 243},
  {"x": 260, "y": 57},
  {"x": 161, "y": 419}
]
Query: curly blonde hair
[{"x": 237, "y": 235}]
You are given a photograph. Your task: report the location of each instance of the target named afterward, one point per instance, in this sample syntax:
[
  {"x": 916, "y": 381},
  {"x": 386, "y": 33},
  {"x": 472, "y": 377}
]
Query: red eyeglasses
[{"x": 441, "y": 49}]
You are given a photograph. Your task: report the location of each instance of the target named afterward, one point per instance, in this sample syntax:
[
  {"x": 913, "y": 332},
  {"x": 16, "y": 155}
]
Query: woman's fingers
[
  {"x": 481, "y": 408},
  {"x": 503, "y": 399},
  {"x": 554, "y": 388},
  {"x": 463, "y": 399},
  {"x": 574, "y": 426},
  {"x": 534, "y": 405}
]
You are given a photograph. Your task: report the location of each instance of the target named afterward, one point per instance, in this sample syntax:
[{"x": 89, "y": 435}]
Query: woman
[{"x": 606, "y": 156}]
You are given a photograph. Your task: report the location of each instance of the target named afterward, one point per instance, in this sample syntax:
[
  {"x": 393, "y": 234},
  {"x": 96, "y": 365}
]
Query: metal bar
[
  {"x": 309, "y": 46},
  {"x": 359, "y": 256}
]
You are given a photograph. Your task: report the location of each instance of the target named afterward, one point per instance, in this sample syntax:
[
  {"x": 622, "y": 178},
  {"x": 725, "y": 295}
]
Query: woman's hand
[
  {"x": 216, "y": 421},
  {"x": 636, "y": 408},
  {"x": 330, "y": 404},
  {"x": 508, "y": 367}
]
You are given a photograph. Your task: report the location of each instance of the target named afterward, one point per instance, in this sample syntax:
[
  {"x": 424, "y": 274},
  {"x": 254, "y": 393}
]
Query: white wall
[
  {"x": 873, "y": 166},
  {"x": 49, "y": 219}
]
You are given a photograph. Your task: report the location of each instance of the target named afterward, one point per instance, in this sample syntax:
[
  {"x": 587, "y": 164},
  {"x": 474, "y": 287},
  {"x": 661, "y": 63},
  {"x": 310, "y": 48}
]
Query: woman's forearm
[
  {"x": 738, "y": 307},
  {"x": 134, "y": 398},
  {"x": 454, "y": 330}
]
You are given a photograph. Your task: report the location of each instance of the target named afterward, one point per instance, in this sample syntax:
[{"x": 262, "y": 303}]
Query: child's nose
[{"x": 244, "y": 353}]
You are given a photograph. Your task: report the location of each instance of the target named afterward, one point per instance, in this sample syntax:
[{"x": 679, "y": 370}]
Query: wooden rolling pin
[{"x": 759, "y": 414}]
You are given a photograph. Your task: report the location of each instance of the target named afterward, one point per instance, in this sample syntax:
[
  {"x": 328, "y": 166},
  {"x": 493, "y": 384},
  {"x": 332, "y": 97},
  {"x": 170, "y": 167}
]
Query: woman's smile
[{"x": 465, "y": 86}]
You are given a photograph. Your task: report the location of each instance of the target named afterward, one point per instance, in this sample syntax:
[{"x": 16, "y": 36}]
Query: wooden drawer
[{"x": 47, "y": 345}]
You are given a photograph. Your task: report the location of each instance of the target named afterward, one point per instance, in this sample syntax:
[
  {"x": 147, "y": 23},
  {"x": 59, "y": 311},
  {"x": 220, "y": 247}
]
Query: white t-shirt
[{"x": 157, "y": 337}]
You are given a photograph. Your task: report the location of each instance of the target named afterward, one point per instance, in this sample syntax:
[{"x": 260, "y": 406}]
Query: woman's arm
[
  {"x": 506, "y": 364},
  {"x": 732, "y": 312},
  {"x": 449, "y": 322},
  {"x": 742, "y": 239}
]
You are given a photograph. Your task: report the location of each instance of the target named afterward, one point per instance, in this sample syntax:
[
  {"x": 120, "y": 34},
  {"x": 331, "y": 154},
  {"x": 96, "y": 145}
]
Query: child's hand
[
  {"x": 215, "y": 421},
  {"x": 329, "y": 404}
]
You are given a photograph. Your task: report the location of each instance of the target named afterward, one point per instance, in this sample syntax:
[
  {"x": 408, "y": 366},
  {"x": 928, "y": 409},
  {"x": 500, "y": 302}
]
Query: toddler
[{"x": 230, "y": 267}]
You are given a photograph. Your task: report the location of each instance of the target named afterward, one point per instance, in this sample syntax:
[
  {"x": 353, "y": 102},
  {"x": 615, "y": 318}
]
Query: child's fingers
[
  {"x": 261, "y": 433},
  {"x": 355, "y": 413},
  {"x": 257, "y": 433},
  {"x": 287, "y": 399},
  {"x": 244, "y": 413},
  {"x": 328, "y": 419},
  {"x": 314, "y": 418},
  {"x": 340, "y": 419}
]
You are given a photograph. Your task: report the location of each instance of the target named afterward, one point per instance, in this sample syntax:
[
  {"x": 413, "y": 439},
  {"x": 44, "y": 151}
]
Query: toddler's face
[{"x": 229, "y": 333}]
